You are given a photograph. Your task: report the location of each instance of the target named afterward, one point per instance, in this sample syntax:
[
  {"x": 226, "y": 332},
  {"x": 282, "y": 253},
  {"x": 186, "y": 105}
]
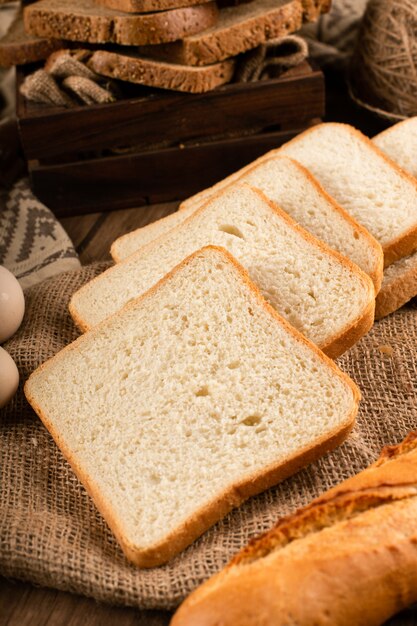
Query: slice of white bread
[
  {"x": 325, "y": 296},
  {"x": 399, "y": 285},
  {"x": 364, "y": 181},
  {"x": 347, "y": 559},
  {"x": 291, "y": 186},
  {"x": 130, "y": 243},
  {"x": 399, "y": 143},
  {"x": 188, "y": 401}
]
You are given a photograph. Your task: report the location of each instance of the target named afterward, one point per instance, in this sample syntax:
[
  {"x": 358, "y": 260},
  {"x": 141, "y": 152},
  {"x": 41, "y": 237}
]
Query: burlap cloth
[{"x": 50, "y": 531}]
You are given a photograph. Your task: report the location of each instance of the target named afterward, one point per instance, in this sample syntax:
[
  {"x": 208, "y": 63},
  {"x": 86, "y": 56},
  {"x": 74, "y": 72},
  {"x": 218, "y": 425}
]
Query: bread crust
[
  {"x": 85, "y": 21},
  {"x": 239, "y": 28},
  {"x": 148, "y": 6},
  {"x": 190, "y": 530},
  {"x": 159, "y": 74},
  {"x": 350, "y": 557},
  {"x": 376, "y": 274},
  {"x": 404, "y": 244},
  {"x": 337, "y": 344},
  {"x": 397, "y": 292},
  {"x": 19, "y": 48}
]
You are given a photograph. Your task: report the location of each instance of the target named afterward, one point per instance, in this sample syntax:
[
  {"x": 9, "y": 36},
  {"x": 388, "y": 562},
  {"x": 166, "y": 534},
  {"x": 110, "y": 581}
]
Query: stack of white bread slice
[
  {"x": 324, "y": 295},
  {"x": 200, "y": 379},
  {"x": 355, "y": 184},
  {"x": 186, "y": 402},
  {"x": 400, "y": 279}
]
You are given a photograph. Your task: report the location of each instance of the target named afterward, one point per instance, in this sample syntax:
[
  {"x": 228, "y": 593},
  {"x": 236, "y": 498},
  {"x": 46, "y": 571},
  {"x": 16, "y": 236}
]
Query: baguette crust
[
  {"x": 350, "y": 557},
  {"x": 399, "y": 290},
  {"x": 335, "y": 346},
  {"x": 406, "y": 243},
  {"x": 207, "y": 516},
  {"x": 377, "y": 272},
  {"x": 85, "y": 21}
]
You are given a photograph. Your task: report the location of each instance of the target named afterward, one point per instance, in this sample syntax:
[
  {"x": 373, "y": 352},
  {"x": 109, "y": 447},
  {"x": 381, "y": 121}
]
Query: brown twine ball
[{"x": 383, "y": 73}]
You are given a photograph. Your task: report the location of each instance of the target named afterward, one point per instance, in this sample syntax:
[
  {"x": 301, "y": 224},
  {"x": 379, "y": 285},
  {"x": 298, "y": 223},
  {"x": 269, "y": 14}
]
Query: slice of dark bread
[
  {"x": 148, "y": 6},
  {"x": 134, "y": 69},
  {"x": 19, "y": 48},
  {"x": 238, "y": 29},
  {"x": 85, "y": 21}
]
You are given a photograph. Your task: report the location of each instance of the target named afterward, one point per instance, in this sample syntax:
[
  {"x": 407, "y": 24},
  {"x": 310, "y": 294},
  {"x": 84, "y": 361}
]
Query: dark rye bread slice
[
  {"x": 238, "y": 29},
  {"x": 148, "y": 6},
  {"x": 19, "y": 48},
  {"x": 85, "y": 21},
  {"x": 134, "y": 69}
]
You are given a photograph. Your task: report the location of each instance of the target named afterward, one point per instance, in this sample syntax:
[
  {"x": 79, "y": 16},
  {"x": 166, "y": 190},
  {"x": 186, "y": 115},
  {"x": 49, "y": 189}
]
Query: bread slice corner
[{"x": 364, "y": 181}]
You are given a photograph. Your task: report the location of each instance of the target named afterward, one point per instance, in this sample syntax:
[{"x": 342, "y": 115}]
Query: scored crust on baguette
[
  {"x": 293, "y": 189},
  {"x": 134, "y": 69},
  {"x": 238, "y": 29},
  {"x": 324, "y": 295},
  {"x": 399, "y": 285},
  {"x": 166, "y": 435},
  {"x": 85, "y": 21},
  {"x": 148, "y": 6},
  {"x": 364, "y": 181},
  {"x": 350, "y": 557}
]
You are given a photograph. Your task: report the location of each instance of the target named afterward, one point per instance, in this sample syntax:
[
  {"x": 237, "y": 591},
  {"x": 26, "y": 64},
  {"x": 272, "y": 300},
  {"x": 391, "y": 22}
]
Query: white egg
[
  {"x": 9, "y": 377},
  {"x": 12, "y": 304}
]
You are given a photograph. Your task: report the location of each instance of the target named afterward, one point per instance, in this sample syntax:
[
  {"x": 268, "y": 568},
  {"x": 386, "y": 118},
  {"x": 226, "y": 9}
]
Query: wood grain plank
[
  {"x": 93, "y": 234},
  {"x": 149, "y": 177},
  {"x": 169, "y": 116},
  {"x": 22, "y": 604}
]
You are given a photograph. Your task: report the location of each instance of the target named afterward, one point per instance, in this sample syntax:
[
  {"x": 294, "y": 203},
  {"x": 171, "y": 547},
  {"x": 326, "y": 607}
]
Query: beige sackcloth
[{"x": 50, "y": 531}]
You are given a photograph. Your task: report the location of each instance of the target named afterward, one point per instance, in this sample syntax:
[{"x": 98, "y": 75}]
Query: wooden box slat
[
  {"x": 51, "y": 132},
  {"x": 132, "y": 180},
  {"x": 160, "y": 146}
]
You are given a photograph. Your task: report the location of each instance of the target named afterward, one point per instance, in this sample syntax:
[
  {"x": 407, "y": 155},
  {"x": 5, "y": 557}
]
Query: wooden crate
[{"x": 157, "y": 146}]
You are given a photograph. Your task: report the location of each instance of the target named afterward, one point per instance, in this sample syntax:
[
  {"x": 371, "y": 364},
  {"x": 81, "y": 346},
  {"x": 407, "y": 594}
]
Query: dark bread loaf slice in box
[
  {"x": 85, "y": 21},
  {"x": 19, "y": 48},
  {"x": 240, "y": 28},
  {"x": 148, "y": 6},
  {"x": 132, "y": 68}
]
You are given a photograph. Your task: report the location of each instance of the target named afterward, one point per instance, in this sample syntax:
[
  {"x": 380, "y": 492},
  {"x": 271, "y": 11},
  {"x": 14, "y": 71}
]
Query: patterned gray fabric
[{"x": 33, "y": 244}]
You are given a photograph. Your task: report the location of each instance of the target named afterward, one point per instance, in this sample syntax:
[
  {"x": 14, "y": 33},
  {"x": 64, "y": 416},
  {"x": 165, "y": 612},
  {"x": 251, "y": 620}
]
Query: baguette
[
  {"x": 188, "y": 401},
  {"x": 349, "y": 558},
  {"x": 399, "y": 285},
  {"x": 294, "y": 189},
  {"x": 325, "y": 296}
]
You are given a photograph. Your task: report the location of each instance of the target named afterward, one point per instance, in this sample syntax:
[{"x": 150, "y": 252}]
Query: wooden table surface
[{"x": 22, "y": 604}]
